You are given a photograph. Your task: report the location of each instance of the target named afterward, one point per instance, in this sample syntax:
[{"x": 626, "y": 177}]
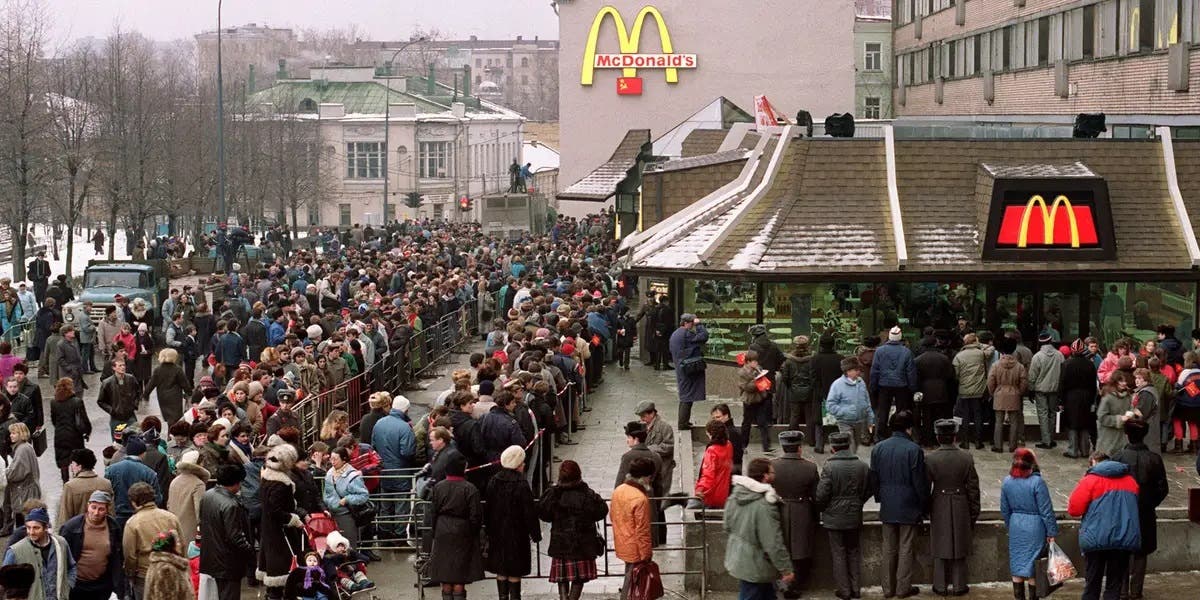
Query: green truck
[{"x": 145, "y": 279}]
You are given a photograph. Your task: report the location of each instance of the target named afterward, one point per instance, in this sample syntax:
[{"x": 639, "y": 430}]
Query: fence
[
  {"x": 401, "y": 368},
  {"x": 20, "y": 336}
]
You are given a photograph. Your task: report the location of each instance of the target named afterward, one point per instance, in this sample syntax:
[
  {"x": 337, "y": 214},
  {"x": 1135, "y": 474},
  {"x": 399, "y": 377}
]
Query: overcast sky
[{"x": 379, "y": 19}]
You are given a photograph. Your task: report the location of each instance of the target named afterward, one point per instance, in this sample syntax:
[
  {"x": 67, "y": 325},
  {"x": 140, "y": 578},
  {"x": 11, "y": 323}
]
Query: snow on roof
[{"x": 542, "y": 156}]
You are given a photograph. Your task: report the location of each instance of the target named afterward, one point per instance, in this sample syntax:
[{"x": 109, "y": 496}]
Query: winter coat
[
  {"x": 123, "y": 474},
  {"x": 457, "y": 519},
  {"x": 140, "y": 531},
  {"x": 893, "y": 367},
  {"x": 119, "y": 397},
  {"x": 846, "y": 484},
  {"x": 796, "y": 484},
  {"x": 1145, "y": 400},
  {"x": 899, "y": 465},
  {"x": 1029, "y": 516},
  {"x": 796, "y": 379},
  {"x": 642, "y": 451},
  {"x": 1077, "y": 392},
  {"x": 754, "y": 551},
  {"x": 1107, "y": 500},
  {"x": 231, "y": 349},
  {"x": 24, "y": 477},
  {"x": 71, "y": 424},
  {"x": 826, "y": 369},
  {"x": 935, "y": 378},
  {"x": 770, "y": 357},
  {"x": 70, "y": 363},
  {"x": 716, "y": 468},
  {"x": 1107, "y": 366},
  {"x": 349, "y": 485},
  {"x": 660, "y": 439},
  {"x": 573, "y": 511},
  {"x": 1147, "y": 469},
  {"x": 631, "y": 515},
  {"x": 511, "y": 523},
  {"x": 848, "y": 401},
  {"x": 954, "y": 504},
  {"x": 168, "y": 577},
  {"x": 224, "y": 527},
  {"x": 366, "y": 427},
  {"x": 394, "y": 440},
  {"x": 278, "y": 538},
  {"x": 255, "y": 334},
  {"x": 684, "y": 344},
  {"x": 173, "y": 386},
  {"x": 747, "y": 381},
  {"x": 54, "y": 572},
  {"x": 183, "y": 497},
  {"x": 76, "y": 492},
  {"x": 497, "y": 431},
  {"x": 971, "y": 370},
  {"x": 1007, "y": 383},
  {"x": 1110, "y": 431},
  {"x": 72, "y": 532},
  {"x": 1045, "y": 369}
]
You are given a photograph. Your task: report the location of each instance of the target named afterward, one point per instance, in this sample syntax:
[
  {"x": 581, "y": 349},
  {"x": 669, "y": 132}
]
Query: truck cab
[{"x": 104, "y": 280}]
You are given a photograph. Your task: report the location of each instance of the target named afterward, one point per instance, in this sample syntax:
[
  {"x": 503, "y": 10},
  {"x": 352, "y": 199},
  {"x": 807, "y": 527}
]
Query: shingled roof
[
  {"x": 827, "y": 210},
  {"x": 601, "y": 184}
]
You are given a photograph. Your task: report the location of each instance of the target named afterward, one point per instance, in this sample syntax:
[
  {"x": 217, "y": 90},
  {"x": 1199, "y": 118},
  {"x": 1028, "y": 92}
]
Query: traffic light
[
  {"x": 465, "y": 203},
  {"x": 413, "y": 200}
]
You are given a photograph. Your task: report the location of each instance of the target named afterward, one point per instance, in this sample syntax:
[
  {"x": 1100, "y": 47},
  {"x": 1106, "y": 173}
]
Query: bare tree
[
  {"x": 292, "y": 146},
  {"x": 188, "y": 177},
  {"x": 74, "y": 126},
  {"x": 24, "y": 168}
]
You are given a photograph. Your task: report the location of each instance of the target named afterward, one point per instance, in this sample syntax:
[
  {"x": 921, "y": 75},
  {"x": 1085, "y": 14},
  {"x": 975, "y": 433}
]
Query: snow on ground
[{"x": 83, "y": 253}]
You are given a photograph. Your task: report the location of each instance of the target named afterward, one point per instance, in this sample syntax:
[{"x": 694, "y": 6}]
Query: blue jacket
[
  {"x": 232, "y": 348},
  {"x": 597, "y": 323},
  {"x": 1106, "y": 499},
  {"x": 349, "y": 486},
  {"x": 848, "y": 401},
  {"x": 275, "y": 333},
  {"x": 123, "y": 474},
  {"x": 497, "y": 431},
  {"x": 393, "y": 438},
  {"x": 1029, "y": 515},
  {"x": 893, "y": 366},
  {"x": 903, "y": 494}
]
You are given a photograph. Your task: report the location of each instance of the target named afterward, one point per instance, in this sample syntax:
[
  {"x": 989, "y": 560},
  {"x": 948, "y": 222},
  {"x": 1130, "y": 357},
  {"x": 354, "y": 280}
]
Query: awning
[{"x": 603, "y": 182}]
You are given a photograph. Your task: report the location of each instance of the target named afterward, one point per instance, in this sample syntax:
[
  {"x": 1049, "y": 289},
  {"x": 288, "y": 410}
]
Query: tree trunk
[
  {"x": 18, "y": 250},
  {"x": 70, "y": 255},
  {"x": 112, "y": 231}
]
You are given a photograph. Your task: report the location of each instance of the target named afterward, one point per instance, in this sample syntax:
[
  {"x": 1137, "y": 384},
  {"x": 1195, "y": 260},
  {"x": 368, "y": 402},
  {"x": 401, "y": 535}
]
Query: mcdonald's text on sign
[
  {"x": 1042, "y": 224},
  {"x": 630, "y": 58}
]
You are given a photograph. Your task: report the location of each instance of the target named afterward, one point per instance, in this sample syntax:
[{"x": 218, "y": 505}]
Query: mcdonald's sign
[
  {"x": 1050, "y": 219},
  {"x": 630, "y": 58}
]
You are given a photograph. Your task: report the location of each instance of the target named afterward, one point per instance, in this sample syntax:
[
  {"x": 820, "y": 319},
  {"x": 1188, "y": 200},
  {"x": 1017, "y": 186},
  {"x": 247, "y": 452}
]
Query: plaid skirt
[{"x": 572, "y": 570}]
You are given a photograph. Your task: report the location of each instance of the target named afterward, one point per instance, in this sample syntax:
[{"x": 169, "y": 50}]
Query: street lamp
[
  {"x": 387, "y": 114},
  {"x": 220, "y": 122}
]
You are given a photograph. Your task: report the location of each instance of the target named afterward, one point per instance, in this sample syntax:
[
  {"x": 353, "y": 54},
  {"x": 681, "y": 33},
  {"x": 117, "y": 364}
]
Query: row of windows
[
  {"x": 1105, "y": 29},
  {"x": 495, "y": 62},
  {"x": 366, "y": 160},
  {"x": 500, "y": 80}
]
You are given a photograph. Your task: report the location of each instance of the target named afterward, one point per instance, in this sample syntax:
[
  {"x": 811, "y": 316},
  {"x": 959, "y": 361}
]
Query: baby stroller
[{"x": 343, "y": 574}]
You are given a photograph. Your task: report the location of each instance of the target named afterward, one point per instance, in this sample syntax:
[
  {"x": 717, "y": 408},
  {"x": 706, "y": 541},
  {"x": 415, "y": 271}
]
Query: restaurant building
[{"x": 853, "y": 236}]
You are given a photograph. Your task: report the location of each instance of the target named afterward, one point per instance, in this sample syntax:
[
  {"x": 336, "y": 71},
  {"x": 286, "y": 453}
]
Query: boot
[
  {"x": 459, "y": 595},
  {"x": 1033, "y": 591},
  {"x": 514, "y": 590},
  {"x": 1178, "y": 447},
  {"x": 502, "y": 586},
  {"x": 1018, "y": 591}
]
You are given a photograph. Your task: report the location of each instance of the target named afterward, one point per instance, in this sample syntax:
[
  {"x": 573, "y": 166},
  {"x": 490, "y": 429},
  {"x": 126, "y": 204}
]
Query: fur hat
[
  {"x": 400, "y": 403},
  {"x": 335, "y": 539},
  {"x": 282, "y": 457},
  {"x": 513, "y": 457},
  {"x": 314, "y": 332},
  {"x": 190, "y": 457}
]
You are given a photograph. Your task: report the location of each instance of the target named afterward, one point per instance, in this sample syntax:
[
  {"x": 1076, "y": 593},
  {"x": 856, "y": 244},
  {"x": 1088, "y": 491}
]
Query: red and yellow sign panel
[
  {"x": 629, "y": 86},
  {"x": 1057, "y": 224}
]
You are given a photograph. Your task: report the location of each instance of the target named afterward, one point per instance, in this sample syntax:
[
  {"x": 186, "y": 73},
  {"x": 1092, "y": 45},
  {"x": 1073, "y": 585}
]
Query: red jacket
[{"x": 716, "y": 471}]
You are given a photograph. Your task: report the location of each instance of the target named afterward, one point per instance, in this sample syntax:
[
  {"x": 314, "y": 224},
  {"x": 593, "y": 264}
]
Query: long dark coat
[
  {"x": 457, "y": 517},
  {"x": 43, "y": 321},
  {"x": 954, "y": 501},
  {"x": 70, "y": 363},
  {"x": 796, "y": 483},
  {"x": 511, "y": 523},
  {"x": 278, "y": 542},
  {"x": 935, "y": 378},
  {"x": 70, "y": 421},
  {"x": 1077, "y": 388},
  {"x": 689, "y": 343},
  {"x": 573, "y": 511},
  {"x": 172, "y": 385},
  {"x": 1147, "y": 469}
]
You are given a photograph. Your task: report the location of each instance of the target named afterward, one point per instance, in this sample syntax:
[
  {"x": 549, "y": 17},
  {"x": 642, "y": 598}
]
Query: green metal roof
[{"x": 358, "y": 97}]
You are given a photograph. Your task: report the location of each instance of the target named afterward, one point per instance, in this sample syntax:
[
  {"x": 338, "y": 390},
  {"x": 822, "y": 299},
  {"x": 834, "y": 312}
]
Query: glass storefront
[
  {"x": 728, "y": 309},
  {"x": 1136, "y": 309}
]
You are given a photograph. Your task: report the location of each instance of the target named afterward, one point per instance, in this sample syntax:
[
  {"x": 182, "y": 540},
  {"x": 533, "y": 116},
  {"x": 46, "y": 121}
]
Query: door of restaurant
[{"x": 1033, "y": 307}]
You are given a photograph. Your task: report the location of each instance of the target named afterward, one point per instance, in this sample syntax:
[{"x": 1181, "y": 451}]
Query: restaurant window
[
  {"x": 364, "y": 160},
  {"x": 1136, "y": 309},
  {"x": 727, "y": 308},
  {"x": 842, "y": 310},
  {"x": 871, "y": 107},
  {"x": 344, "y": 215},
  {"x": 873, "y": 56}
]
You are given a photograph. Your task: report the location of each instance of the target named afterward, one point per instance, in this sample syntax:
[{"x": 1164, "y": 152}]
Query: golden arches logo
[
  {"x": 628, "y": 40},
  {"x": 1048, "y": 220}
]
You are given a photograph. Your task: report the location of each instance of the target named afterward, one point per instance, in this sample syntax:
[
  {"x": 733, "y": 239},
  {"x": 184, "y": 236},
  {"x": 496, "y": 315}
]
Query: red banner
[{"x": 629, "y": 86}]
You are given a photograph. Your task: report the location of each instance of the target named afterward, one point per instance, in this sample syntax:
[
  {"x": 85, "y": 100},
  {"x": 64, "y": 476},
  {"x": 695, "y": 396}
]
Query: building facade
[
  {"x": 439, "y": 143},
  {"x": 801, "y": 58},
  {"x": 518, "y": 74},
  {"x": 249, "y": 53},
  {"x": 873, "y": 66},
  {"x": 1047, "y": 60}
]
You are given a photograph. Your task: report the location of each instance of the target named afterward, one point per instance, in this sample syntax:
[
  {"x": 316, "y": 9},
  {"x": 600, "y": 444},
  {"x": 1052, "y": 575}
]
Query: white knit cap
[
  {"x": 400, "y": 403},
  {"x": 314, "y": 332},
  {"x": 512, "y": 457},
  {"x": 335, "y": 539},
  {"x": 894, "y": 334}
]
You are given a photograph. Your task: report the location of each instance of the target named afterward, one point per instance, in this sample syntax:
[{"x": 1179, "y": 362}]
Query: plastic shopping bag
[{"x": 1059, "y": 568}]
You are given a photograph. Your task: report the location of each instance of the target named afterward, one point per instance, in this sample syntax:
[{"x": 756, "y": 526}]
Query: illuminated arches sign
[
  {"x": 630, "y": 58},
  {"x": 1050, "y": 219}
]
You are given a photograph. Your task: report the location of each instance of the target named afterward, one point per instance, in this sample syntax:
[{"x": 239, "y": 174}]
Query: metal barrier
[
  {"x": 400, "y": 368},
  {"x": 606, "y": 566},
  {"x": 20, "y": 336}
]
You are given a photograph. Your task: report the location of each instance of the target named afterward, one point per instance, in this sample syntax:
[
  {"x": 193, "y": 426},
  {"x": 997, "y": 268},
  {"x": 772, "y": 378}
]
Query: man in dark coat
[
  {"x": 648, "y": 342},
  {"x": 91, "y": 582},
  {"x": 1077, "y": 390},
  {"x": 1147, "y": 469},
  {"x": 936, "y": 383},
  {"x": 44, "y": 322},
  {"x": 796, "y": 483},
  {"x": 635, "y": 439},
  {"x": 846, "y": 484},
  {"x": 70, "y": 360},
  {"x": 899, "y": 464},
  {"x": 954, "y": 509},
  {"x": 770, "y": 359},
  {"x": 255, "y": 334},
  {"x": 224, "y": 529},
  {"x": 687, "y": 349},
  {"x": 664, "y": 320},
  {"x": 39, "y": 273},
  {"x": 796, "y": 384},
  {"x": 826, "y": 369}
]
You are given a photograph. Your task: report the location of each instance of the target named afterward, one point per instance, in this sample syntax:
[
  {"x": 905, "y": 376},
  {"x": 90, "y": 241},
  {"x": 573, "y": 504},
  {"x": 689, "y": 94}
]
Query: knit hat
[
  {"x": 207, "y": 382},
  {"x": 400, "y": 403},
  {"x": 314, "y": 332},
  {"x": 487, "y": 387},
  {"x": 1045, "y": 337},
  {"x": 135, "y": 446},
  {"x": 568, "y": 348},
  {"x": 894, "y": 334},
  {"x": 512, "y": 457},
  {"x": 1078, "y": 347},
  {"x": 335, "y": 539},
  {"x": 38, "y": 515}
]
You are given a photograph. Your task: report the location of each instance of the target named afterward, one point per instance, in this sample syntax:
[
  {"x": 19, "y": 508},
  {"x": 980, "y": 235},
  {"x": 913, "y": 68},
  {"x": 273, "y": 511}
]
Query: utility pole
[
  {"x": 387, "y": 114},
  {"x": 220, "y": 123}
]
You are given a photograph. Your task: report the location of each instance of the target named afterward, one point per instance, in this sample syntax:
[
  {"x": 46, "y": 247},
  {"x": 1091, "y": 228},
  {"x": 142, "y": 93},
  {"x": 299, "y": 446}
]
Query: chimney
[
  {"x": 474, "y": 38},
  {"x": 519, "y": 38},
  {"x": 466, "y": 91},
  {"x": 431, "y": 81},
  {"x": 458, "y": 109}
]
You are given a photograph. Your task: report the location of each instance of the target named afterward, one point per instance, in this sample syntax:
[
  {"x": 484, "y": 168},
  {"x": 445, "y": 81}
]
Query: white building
[{"x": 440, "y": 142}]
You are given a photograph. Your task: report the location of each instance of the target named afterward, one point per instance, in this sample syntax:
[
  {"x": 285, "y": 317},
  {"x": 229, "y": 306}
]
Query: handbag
[
  {"x": 692, "y": 366},
  {"x": 363, "y": 513},
  {"x": 645, "y": 582},
  {"x": 38, "y": 439}
]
